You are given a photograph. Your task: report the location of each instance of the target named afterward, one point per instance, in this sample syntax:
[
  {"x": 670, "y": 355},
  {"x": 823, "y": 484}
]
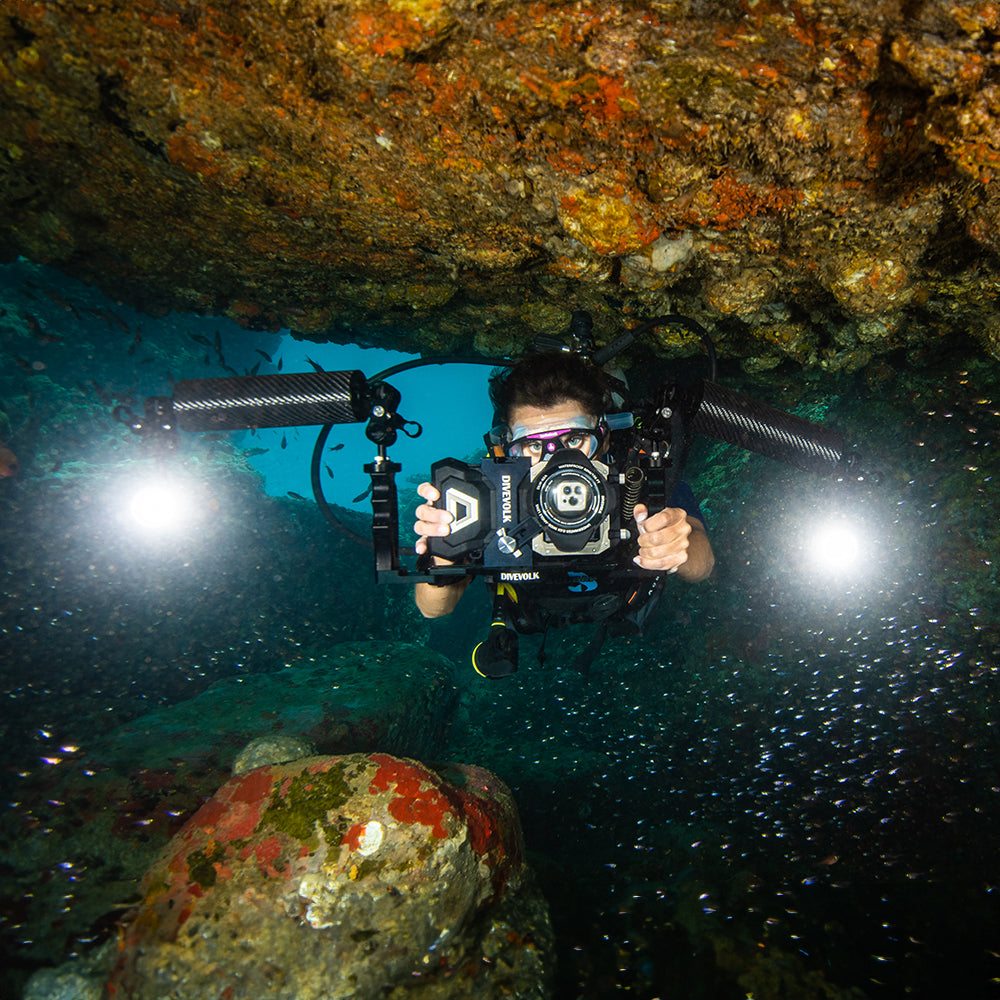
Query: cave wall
[{"x": 813, "y": 181}]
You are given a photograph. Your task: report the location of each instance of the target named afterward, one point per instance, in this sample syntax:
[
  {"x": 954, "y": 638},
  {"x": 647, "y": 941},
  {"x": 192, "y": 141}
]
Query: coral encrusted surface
[
  {"x": 343, "y": 877},
  {"x": 812, "y": 181}
]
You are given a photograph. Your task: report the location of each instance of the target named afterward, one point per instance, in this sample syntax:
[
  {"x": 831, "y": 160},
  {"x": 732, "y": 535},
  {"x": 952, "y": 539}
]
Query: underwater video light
[
  {"x": 833, "y": 546},
  {"x": 161, "y": 506}
]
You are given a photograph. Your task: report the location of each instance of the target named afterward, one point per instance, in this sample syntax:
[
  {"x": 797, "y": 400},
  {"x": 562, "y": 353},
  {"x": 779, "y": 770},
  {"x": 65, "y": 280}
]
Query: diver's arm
[
  {"x": 672, "y": 541},
  {"x": 700, "y": 557},
  {"x": 436, "y": 602}
]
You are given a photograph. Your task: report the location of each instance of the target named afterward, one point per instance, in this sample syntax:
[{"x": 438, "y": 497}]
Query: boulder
[
  {"x": 354, "y": 876},
  {"x": 270, "y": 750}
]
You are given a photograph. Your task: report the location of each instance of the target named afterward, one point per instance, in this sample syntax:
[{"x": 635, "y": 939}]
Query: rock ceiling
[{"x": 812, "y": 181}]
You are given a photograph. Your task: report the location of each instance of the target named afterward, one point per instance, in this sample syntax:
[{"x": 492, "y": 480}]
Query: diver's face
[{"x": 538, "y": 431}]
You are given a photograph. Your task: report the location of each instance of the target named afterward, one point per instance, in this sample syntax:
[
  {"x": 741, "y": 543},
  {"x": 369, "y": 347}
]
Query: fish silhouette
[{"x": 60, "y": 301}]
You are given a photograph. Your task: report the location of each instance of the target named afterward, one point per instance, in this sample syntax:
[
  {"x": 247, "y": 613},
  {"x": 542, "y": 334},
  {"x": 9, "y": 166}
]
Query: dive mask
[{"x": 578, "y": 434}]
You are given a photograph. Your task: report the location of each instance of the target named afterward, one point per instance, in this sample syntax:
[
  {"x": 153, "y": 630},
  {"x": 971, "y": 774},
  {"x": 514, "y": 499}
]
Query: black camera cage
[{"x": 664, "y": 427}]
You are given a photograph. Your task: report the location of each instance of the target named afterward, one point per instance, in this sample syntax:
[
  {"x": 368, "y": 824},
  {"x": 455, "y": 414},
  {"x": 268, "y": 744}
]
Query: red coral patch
[
  {"x": 413, "y": 804},
  {"x": 253, "y": 787},
  {"x": 353, "y": 836},
  {"x": 266, "y": 852}
]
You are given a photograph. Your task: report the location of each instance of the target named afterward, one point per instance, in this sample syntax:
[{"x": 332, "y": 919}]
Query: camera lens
[
  {"x": 570, "y": 502},
  {"x": 568, "y": 496}
]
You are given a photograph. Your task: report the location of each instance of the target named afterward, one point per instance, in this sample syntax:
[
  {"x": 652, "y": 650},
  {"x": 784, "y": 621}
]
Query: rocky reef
[{"x": 812, "y": 181}]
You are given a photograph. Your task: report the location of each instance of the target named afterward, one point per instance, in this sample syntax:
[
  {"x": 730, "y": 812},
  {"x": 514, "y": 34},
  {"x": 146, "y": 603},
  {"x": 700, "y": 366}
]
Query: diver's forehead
[{"x": 545, "y": 418}]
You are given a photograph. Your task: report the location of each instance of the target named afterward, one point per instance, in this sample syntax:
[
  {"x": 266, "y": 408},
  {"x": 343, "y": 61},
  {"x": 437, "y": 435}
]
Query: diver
[
  {"x": 551, "y": 401},
  {"x": 551, "y": 517}
]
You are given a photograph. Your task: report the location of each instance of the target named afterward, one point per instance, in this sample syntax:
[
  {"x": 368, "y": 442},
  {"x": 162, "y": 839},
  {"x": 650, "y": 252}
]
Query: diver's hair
[{"x": 548, "y": 379}]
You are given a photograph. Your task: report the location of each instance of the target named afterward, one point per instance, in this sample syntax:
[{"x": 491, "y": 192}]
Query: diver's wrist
[{"x": 426, "y": 561}]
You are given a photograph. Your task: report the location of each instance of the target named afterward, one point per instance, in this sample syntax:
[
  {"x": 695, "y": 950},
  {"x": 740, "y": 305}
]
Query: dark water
[{"x": 788, "y": 788}]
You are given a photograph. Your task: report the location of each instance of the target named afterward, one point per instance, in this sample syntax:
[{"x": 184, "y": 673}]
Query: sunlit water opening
[{"x": 450, "y": 404}]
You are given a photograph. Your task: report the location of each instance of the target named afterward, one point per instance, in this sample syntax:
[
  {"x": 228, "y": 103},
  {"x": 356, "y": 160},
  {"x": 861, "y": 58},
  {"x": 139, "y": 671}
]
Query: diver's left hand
[{"x": 663, "y": 538}]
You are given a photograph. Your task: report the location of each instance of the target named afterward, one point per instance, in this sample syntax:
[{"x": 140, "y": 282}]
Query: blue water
[{"x": 432, "y": 397}]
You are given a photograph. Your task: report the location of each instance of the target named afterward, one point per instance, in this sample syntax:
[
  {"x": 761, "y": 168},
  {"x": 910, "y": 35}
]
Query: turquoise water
[
  {"x": 431, "y": 397},
  {"x": 790, "y": 784}
]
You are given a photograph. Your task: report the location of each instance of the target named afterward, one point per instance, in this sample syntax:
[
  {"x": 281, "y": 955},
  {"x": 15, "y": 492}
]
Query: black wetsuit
[{"x": 616, "y": 594}]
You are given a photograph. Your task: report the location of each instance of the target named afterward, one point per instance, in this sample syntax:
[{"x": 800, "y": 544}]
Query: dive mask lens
[{"x": 542, "y": 444}]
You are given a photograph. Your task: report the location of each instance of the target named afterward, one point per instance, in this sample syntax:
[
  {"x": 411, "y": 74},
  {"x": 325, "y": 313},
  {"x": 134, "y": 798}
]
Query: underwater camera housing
[{"x": 506, "y": 511}]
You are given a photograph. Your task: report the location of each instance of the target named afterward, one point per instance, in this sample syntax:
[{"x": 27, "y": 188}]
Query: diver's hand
[
  {"x": 434, "y": 602},
  {"x": 431, "y": 522},
  {"x": 663, "y": 538}
]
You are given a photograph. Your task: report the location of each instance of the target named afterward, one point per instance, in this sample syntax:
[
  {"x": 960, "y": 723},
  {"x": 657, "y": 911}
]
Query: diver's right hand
[{"x": 431, "y": 521}]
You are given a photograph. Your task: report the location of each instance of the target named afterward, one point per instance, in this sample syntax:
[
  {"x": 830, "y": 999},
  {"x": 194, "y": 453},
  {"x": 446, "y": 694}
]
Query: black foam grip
[
  {"x": 284, "y": 400},
  {"x": 740, "y": 420}
]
